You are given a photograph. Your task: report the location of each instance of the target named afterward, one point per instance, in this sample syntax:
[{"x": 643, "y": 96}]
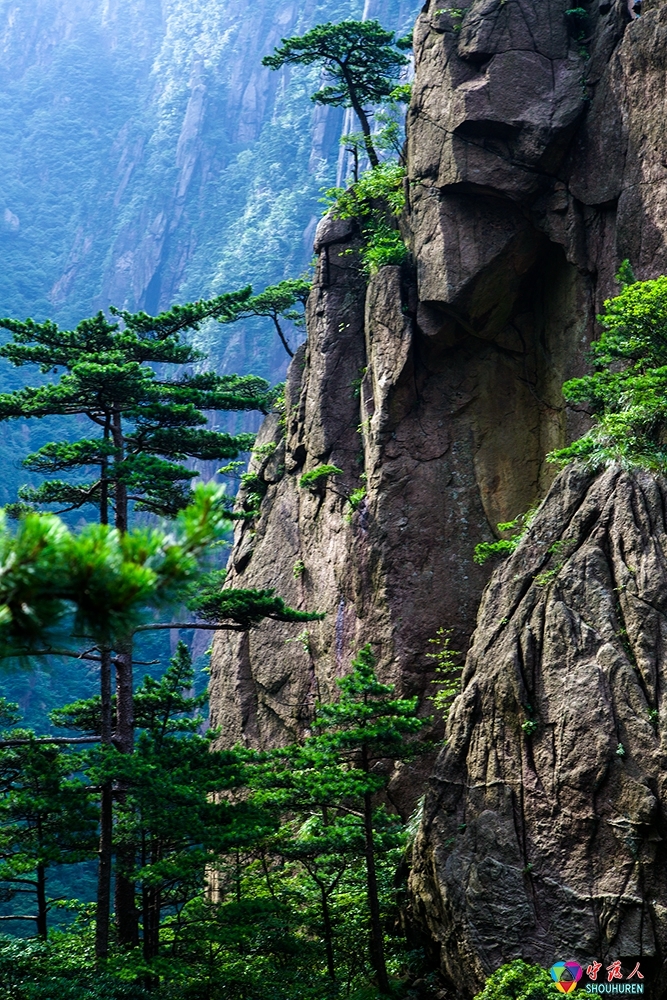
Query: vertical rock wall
[
  {"x": 546, "y": 842},
  {"x": 535, "y": 167},
  {"x": 545, "y": 821}
]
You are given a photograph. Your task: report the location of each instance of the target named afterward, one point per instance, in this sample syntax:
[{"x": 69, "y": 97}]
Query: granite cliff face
[
  {"x": 544, "y": 824},
  {"x": 535, "y": 166}
]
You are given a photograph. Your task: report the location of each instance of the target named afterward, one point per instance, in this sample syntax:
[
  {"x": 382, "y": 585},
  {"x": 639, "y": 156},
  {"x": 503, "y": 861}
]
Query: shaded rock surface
[
  {"x": 545, "y": 821},
  {"x": 535, "y": 165}
]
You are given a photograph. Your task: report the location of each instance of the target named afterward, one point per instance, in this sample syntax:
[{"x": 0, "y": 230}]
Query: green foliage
[
  {"x": 102, "y": 577},
  {"x": 577, "y": 22},
  {"x": 383, "y": 183},
  {"x": 316, "y": 478},
  {"x": 447, "y": 672},
  {"x": 284, "y": 839},
  {"x": 518, "y": 981},
  {"x": 359, "y": 56},
  {"x": 505, "y": 546},
  {"x": 340, "y": 765},
  {"x": 276, "y": 303},
  {"x": 298, "y": 569},
  {"x": 367, "y": 715},
  {"x": 357, "y": 497},
  {"x": 360, "y": 59},
  {"x": 376, "y": 199},
  {"x": 384, "y": 246},
  {"x": 625, "y": 275},
  {"x": 245, "y": 608},
  {"x": 46, "y": 819},
  {"x": 502, "y": 547},
  {"x": 529, "y": 726},
  {"x": 456, "y": 13},
  {"x": 109, "y": 377},
  {"x": 253, "y": 490},
  {"x": 627, "y": 390}
]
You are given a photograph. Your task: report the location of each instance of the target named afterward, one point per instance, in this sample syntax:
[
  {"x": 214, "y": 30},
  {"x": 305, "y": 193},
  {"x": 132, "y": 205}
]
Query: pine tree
[
  {"x": 334, "y": 775},
  {"x": 46, "y": 818},
  {"x": 361, "y": 59},
  {"x": 145, "y": 426},
  {"x": 277, "y": 303},
  {"x": 98, "y": 584},
  {"x": 625, "y": 394}
]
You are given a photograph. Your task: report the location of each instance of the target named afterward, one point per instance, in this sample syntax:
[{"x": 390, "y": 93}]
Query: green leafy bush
[
  {"x": 254, "y": 490},
  {"x": 384, "y": 246},
  {"x": 627, "y": 391},
  {"x": 518, "y": 981},
  {"x": 316, "y": 478},
  {"x": 384, "y": 182},
  {"x": 505, "y": 546},
  {"x": 577, "y": 22},
  {"x": 357, "y": 497},
  {"x": 375, "y": 200},
  {"x": 447, "y": 672}
]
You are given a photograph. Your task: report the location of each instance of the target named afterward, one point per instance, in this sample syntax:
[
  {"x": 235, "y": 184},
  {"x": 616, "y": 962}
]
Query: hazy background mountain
[{"x": 147, "y": 157}]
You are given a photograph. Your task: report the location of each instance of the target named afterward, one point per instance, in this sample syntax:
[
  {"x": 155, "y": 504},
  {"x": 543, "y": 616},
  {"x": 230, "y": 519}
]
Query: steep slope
[
  {"x": 535, "y": 167},
  {"x": 544, "y": 824}
]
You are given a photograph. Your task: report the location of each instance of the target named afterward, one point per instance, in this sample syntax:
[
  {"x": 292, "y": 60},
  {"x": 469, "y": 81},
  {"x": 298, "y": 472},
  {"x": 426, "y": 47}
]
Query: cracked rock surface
[
  {"x": 536, "y": 164},
  {"x": 544, "y": 822}
]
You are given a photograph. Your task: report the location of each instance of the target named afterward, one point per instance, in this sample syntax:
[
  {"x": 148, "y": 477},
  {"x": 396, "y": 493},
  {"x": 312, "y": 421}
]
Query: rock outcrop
[
  {"x": 545, "y": 821},
  {"x": 535, "y": 165}
]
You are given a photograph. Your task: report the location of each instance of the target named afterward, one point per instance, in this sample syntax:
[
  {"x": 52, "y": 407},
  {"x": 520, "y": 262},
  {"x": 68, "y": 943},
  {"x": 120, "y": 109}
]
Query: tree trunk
[
  {"x": 282, "y": 337},
  {"x": 120, "y": 489},
  {"x": 104, "y": 476},
  {"x": 103, "y": 906},
  {"x": 363, "y": 120},
  {"x": 377, "y": 938},
  {"x": 328, "y": 934},
  {"x": 151, "y": 915},
  {"x": 42, "y": 930},
  {"x": 127, "y": 917}
]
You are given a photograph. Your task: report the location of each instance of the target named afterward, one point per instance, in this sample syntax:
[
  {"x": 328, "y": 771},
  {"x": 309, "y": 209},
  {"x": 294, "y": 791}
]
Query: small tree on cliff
[
  {"x": 361, "y": 59},
  {"x": 627, "y": 391},
  {"x": 285, "y": 301}
]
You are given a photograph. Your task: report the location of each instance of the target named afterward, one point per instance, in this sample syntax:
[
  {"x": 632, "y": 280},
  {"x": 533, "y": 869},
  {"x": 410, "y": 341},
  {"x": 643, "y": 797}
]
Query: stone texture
[
  {"x": 534, "y": 168},
  {"x": 551, "y": 844}
]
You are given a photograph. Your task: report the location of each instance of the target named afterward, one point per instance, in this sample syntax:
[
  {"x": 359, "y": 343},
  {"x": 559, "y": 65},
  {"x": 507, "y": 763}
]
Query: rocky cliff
[
  {"x": 545, "y": 817},
  {"x": 544, "y": 824},
  {"x": 149, "y": 156},
  {"x": 535, "y": 163}
]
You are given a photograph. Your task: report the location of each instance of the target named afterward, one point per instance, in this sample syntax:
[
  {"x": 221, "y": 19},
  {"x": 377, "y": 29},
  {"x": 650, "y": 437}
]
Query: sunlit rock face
[{"x": 535, "y": 166}]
